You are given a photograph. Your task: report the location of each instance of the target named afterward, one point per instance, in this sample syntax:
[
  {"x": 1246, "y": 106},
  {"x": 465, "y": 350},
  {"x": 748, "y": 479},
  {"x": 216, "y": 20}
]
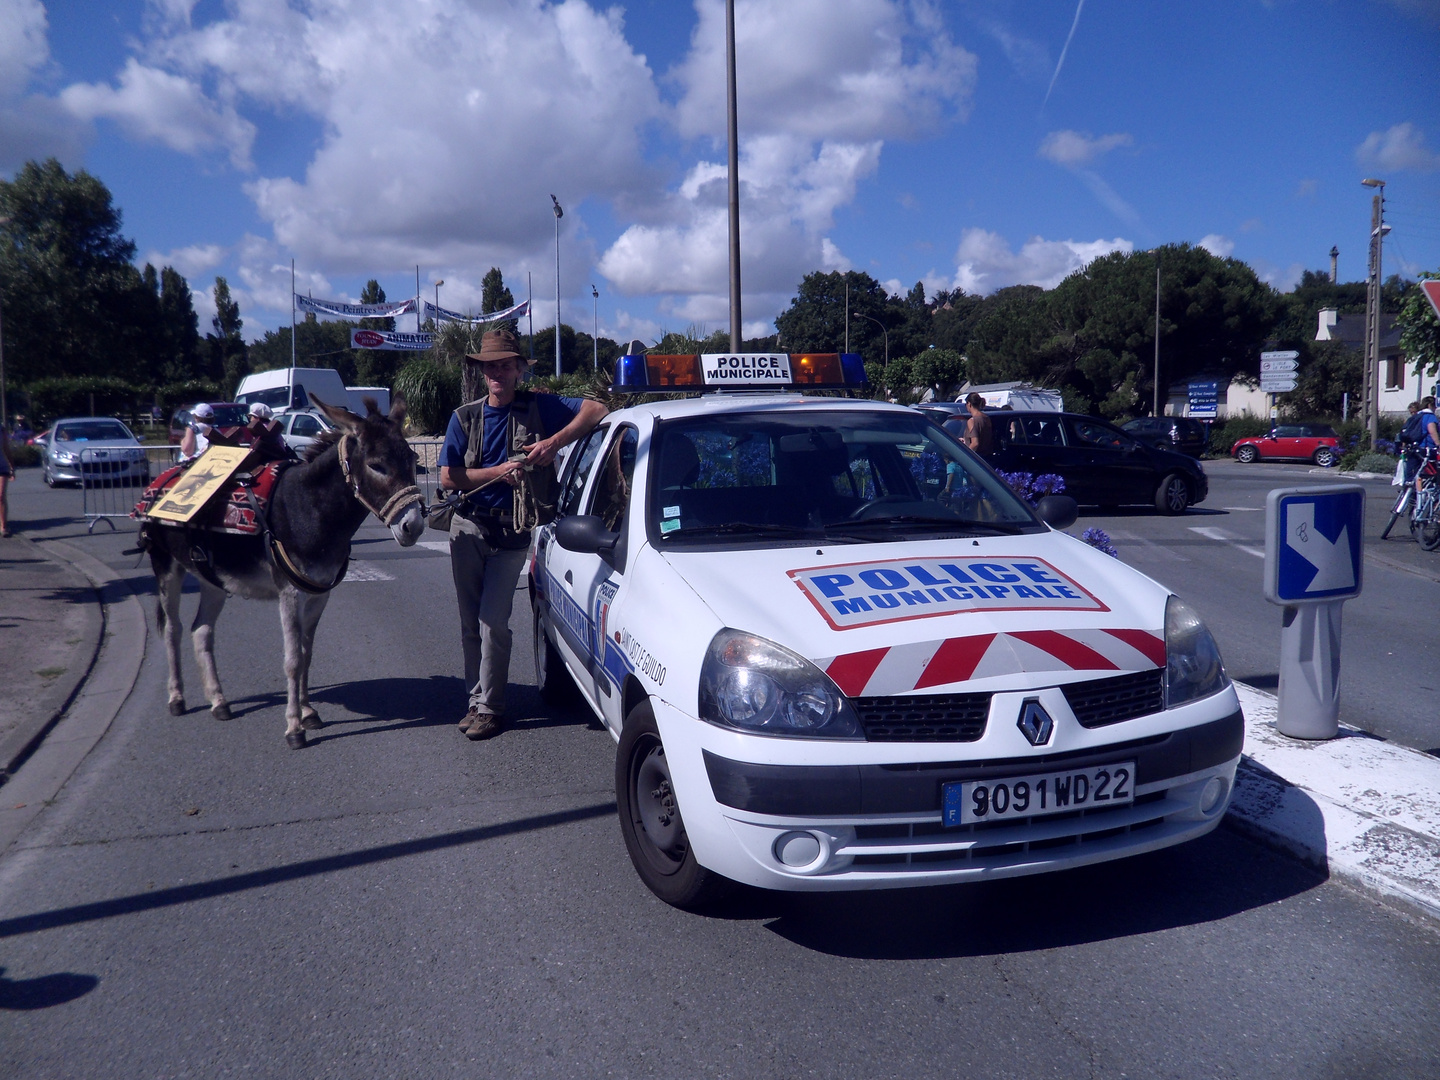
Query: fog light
[
  {"x": 796, "y": 849},
  {"x": 1211, "y": 794}
]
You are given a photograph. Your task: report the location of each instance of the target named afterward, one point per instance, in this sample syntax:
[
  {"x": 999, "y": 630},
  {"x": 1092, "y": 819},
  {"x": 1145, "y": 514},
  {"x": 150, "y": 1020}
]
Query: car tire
[
  {"x": 1173, "y": 494},
  {"x": 45, "y": 475},
  {"x": 1428, "y": 535},
  {"x": 650, "y": 820},
  {"x": 552, "y": 678},
  {"x": 1247, "y": 455},
  {"x": 1324, "y": 457}
]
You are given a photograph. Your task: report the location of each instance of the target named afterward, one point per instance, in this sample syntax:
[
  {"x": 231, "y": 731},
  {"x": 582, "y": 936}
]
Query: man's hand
[{"x": 543, "y": 452}]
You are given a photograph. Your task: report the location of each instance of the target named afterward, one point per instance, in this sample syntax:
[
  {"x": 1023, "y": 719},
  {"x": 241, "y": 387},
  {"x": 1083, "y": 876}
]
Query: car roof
[{"x": 751, "y": 401}]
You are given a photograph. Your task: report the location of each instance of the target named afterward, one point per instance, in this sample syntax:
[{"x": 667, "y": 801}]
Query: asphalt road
[{"x": 201, "y": 901}]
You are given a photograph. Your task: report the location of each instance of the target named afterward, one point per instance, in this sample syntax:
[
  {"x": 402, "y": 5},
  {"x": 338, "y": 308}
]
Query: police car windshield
[{"x": 843, "y": 475}]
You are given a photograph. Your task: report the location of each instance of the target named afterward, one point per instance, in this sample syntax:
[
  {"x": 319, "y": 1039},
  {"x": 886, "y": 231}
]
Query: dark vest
[{"x": 526, "y": 427}]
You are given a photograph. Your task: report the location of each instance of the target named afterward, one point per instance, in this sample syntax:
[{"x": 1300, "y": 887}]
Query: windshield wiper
[
  {"x": 1008, "y": 528},
  {"x": 822, "y": 533}
]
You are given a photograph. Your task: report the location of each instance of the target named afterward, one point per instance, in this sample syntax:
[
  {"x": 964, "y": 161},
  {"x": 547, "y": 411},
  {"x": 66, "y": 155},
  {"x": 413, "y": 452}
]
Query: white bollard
[{"x": 1309, "y": 706}]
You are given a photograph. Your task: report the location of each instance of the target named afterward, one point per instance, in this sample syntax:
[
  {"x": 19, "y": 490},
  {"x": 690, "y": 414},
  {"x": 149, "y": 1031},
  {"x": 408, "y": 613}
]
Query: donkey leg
[
  {"x": 202, "y": 636},
  {"x": 169, "y": 580},
  {"x": 311, "y": 608},
  {"x": 294, "y": 648}
]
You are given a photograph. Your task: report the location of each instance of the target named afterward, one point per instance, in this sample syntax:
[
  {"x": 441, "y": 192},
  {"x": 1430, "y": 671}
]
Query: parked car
[
  {"x": 229, "y": 418},
  {"x": 1169, "y": 433},
  {"x": 301, "y": 430},
  {"x": 99, "y": 448},
  {"x": 1100, "y": 464},
  {"x": 1293, "y": 442}
]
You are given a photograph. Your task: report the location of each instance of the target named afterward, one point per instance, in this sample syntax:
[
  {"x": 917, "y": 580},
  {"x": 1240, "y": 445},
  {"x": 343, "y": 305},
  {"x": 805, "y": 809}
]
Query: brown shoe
[
  {"x": 468, "y": 719},
  {"x": 485, "y": 725}
]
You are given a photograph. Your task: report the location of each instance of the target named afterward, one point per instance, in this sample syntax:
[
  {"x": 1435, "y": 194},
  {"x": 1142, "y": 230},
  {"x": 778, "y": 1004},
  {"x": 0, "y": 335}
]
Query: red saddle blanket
[{"x": 230, "y": 511}]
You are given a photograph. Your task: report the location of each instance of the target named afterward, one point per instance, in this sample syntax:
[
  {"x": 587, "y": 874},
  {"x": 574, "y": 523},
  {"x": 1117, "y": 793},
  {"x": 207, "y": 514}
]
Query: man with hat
[{"x": 505, "y": 439}]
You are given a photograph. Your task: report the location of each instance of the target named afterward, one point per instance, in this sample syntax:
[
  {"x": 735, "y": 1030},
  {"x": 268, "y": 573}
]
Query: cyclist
[{"x": 1430, "y": 435}]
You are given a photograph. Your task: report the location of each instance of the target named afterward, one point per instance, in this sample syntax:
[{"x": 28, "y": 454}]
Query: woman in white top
[{"x": 196, "y": 440}]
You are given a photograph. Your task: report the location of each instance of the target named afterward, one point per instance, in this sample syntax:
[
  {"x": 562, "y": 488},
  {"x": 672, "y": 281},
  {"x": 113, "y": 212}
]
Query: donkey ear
[
  {"x": 341, "y": 417},
  {"x": 398, "y": 410}
]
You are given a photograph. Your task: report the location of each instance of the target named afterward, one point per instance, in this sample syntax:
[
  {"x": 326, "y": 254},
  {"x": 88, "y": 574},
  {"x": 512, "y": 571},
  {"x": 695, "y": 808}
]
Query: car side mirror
[
  {"x": 586, "y": 534},
  {"x": 1057, "y": 511}
]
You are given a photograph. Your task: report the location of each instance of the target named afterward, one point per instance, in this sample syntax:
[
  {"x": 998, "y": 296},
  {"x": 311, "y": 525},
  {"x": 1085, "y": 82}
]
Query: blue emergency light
[{"x": 637, "y": 373}]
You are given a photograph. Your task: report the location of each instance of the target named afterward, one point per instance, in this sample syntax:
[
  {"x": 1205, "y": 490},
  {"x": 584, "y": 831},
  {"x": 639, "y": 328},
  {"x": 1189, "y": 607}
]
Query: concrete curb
[
  {"x": 1364, "y": 809},
  {"x": 16, "y": 746},
  {"x": 89, "y": 714}
]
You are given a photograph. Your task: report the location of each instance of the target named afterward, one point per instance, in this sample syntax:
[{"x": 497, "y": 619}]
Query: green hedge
[
  {"x": 23, "y": 455},
  {"x": 97, "y": 395},
  {"x": 1224, "y": 436}
]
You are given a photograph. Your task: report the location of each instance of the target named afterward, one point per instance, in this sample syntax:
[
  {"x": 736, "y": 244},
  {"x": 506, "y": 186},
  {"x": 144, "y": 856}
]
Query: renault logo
[{"x": 1035, "y": 723}]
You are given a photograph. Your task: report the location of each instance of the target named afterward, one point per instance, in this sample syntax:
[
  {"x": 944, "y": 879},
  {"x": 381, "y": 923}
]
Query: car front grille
[
  {"x": 924, "y": 717},
  {"x": 1099, "y": 702}
]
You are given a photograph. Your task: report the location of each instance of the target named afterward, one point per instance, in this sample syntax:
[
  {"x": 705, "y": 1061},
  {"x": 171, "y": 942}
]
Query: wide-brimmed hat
[{"x": 498, "y": 345}]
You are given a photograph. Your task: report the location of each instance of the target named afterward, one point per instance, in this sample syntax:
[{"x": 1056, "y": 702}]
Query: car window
[
  {"x": 230, "y": 416},
  {"x": 1094, "y": 433},
  {"x": 87, "y": 430},
  {"x": 1320, "y": 431},
  {"x": 277, "y": 397},
  {"x": 612, "y": 491},
  {"x": 731, "y": 478},
  {"x": 1043, "y": 431},
  {"x": 1009, "y": 429},
  {"x": 577, "y": 474},
  {"x": 306, "y": 426}
]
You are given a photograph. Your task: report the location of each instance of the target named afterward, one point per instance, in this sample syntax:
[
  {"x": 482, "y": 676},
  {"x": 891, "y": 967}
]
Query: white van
[{"x": 287, "y": 389}]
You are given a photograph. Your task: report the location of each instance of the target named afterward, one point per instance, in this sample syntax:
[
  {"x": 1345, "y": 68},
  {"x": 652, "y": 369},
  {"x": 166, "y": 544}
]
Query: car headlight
[
  {"x": 756, "y": 685},
  {"x": 64, "y": 457},
  {"x": 1193, "y": 668}
]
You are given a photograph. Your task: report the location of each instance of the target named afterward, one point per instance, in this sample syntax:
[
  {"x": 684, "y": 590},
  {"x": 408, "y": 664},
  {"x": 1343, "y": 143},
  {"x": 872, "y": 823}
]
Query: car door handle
[{"x": 569, "y": 578}]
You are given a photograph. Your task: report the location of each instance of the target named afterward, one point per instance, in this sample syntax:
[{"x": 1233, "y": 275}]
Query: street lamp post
[
  {"x": 596, "y": 339},
  {"x": 884, "y": 330},
  {"x": 437, "y": 302},
  {"x": 733, "y": 130},
  {"x": 1371, "y": 384},
  {"x": 559, "y": 213},
  {"x": 4, "y": 411}
]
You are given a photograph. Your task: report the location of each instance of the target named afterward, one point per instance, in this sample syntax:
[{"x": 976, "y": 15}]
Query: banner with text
[
  {"x": 520, "y": 309},
  {"x": 390, "y": 339},
  {"x": 354, "y": 311}
]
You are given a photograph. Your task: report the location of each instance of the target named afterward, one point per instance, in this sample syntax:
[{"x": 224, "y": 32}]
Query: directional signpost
[
  {"x": 1204, "y": 398},
  {"x": 1313, "y": 563},
  {"x": 1277, "y": 371}
]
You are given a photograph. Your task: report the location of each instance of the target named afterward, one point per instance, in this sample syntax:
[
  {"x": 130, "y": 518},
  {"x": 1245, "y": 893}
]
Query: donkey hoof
[
  {"x": 221, "y": 711},
  {"x": 295, "y": 740},
  {"x": 312, "y": 722},
  {"x": 177, "y": 708}
]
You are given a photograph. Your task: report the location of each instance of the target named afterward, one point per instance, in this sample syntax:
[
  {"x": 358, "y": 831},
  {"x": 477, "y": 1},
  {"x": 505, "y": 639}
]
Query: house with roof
[{"x": 1398, "y": 387}]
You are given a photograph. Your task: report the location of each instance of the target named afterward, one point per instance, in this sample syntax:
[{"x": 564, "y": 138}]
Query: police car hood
[{"x": 1007, "y": 612}]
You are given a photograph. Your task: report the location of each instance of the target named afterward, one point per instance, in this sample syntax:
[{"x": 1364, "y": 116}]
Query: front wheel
[
  {"x": 1246, "y": 455},
  {"x": 1429, "y": 534},
  {"x": 1400, "y": 509},
  {"x": 1325, "y": 457},
  {"x": 1173, "y": 495},
  {"x": 650, "y": 819}
]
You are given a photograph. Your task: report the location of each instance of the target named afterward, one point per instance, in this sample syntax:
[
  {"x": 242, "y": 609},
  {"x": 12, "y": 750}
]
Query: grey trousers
[{"x": 485, "y": 580}]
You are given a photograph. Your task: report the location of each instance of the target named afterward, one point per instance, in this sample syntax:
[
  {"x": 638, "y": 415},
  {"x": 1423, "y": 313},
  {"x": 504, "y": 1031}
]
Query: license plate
[{"x": 969, "y": 802}]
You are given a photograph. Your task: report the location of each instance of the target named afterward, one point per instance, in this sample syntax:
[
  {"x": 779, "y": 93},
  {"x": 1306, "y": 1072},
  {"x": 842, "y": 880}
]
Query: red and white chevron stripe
[{"x": 902, "y": 668}]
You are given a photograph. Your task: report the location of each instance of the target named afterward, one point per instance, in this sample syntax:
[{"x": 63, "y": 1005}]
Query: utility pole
[
  {"x": 1156, "y": 410},
  {"x": 1371, "y": 408},
  {"x": 292, "y": 313},
  {"x": 4, "y": 413},
  {"x": 558, "y": 215},
  {"x": 595, "y": 366},
  {"x": 734, "y": 127}
]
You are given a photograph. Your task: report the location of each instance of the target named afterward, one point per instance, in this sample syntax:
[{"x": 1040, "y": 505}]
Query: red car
[{"x": 1295, "y": 442}]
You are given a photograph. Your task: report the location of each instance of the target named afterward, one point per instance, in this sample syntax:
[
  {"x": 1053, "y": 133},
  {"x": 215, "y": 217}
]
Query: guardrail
[
  {"x": 427, "y": 469},
  {"x": 111, "y": 479}
]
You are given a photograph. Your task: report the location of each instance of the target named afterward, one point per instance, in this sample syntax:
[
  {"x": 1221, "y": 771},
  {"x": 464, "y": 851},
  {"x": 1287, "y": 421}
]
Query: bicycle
[
  {"x": 1425, "y": 516},
  {"x": 1405, "y": 500}
]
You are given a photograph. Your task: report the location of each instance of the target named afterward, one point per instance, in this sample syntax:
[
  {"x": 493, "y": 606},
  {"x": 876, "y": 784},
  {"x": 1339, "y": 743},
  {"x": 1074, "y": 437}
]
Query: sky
[{"x": 967, "y": 144}]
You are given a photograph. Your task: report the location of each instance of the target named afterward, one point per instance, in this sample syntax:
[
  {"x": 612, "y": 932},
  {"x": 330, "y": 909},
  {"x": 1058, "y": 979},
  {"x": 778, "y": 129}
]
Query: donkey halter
[{"x": 396, "y": 505}]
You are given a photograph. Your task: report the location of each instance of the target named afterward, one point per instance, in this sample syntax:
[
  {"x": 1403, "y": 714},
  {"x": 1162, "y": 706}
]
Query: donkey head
[{"x": 380, "y": 466}]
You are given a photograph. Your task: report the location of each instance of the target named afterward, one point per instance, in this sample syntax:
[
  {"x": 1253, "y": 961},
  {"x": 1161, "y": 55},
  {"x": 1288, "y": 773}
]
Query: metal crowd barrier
[
  {"x": 427, "y": 469},
  {"x": 112, "y": 478}
]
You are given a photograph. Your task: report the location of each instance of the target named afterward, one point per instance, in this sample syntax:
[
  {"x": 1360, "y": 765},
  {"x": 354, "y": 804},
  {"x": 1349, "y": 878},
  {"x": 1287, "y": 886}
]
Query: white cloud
[
  {"x": 1217, "y": 245},
  {"x": 190, "y": 261},
  {"x": 867, "y": 69},
  {"x": 31, "y": 126},
  {"x": 986, "y": 263},
  {"x": 1398, "y": 147},
  {"x": 1029, "y": 58},
  {"x": 1071, "y": 148},
  {"x": 151, "y": 105},
  {"x": 1283, "y": 278}
]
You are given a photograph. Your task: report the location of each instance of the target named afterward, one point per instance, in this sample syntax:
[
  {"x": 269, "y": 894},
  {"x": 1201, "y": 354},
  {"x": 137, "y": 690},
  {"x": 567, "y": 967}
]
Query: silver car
[
  {"x": 301, "y": 430},
  {"x": 98, "y": 448}
]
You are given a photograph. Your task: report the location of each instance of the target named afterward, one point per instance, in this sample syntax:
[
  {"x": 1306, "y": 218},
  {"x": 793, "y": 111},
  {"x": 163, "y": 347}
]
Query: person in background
[
  {"x": 979, "y": 432},
  {"x": 196, "y": 439},
  {"x": 1409, "y": 440},
  {"x": 264, "y": 432},
  {"x": 1429, "y": 437},
  {"x": 490, "y": 444},
  {"x": 7, "y": 473}
]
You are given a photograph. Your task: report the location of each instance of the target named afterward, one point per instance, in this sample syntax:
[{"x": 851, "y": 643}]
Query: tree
[
  {"x": 74, "y": 304},
  {"x": 1328, "y": 371},
  {"x": 494, "y": 296},
  {"x": 376, "y": 367},
  {"x": 178, "y": 333},
  {"x": 323, "y": 344},
  {"x": 1420, "y": 330},
  {"x": 815, "y": 320},
  {"x": 228, "y": 359}
]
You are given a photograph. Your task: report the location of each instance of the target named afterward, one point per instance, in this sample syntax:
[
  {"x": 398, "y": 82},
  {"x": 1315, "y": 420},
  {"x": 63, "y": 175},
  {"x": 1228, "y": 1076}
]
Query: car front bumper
[{"x": 875, "y": 821}]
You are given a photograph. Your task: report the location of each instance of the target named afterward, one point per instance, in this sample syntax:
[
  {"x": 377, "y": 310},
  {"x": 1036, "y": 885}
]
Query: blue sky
[{"x": 942, "y": 142}]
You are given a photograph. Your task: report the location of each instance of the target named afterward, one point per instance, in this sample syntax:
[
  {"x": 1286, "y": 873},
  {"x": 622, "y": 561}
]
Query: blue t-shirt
[
  {"x": 555, "y": 413},
  {"x": 1426, "y": 418}
]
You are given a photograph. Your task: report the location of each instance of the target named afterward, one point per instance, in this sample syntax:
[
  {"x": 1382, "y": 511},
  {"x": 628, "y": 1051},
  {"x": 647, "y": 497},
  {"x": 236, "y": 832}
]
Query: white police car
[{"x": 838, "y": 653}]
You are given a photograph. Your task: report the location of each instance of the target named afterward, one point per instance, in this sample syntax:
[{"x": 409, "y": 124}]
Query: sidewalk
[{"x": 51, "y": 622}]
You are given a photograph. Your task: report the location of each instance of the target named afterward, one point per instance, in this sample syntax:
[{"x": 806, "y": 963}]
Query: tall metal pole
[
  {"x": 734, "y": 128},
  {"x": 437, "y": 302},
  {"x": 292, "y": 312},
  {"x": 1371, "y": 385},
  {"x": 1156, "y": 410},
  {"x": 558, "y": 215},
  {"x": 418, "y": 304},
  {"x": 530, "y": 312},
  {"x": 847, "y": 313},
  {"x": 4, "y": 408},
  {"x": 595, "y": 366}
]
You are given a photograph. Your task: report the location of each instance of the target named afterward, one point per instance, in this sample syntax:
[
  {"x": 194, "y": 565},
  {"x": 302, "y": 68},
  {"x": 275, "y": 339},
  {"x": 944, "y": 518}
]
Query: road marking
[
  {"x": 1244, "y": 509},
  {"x": 1135, "y": 538},
  {"x": 1212, "y": 533},
  {"x": 366, "y": 571},
  {"x": 435, "y": 545}
]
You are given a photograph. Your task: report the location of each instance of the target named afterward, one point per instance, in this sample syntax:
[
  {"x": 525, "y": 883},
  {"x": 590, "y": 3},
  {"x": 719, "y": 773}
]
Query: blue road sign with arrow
[{"x": 1314, "y": 543}]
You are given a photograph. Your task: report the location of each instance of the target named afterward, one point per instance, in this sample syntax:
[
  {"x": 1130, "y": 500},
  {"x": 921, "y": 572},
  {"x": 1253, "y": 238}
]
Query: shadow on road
[{"x": 44, "y": 991}]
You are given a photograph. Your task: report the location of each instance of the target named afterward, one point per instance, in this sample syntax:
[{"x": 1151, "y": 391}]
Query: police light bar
[{"x": 636, "y": 373}]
